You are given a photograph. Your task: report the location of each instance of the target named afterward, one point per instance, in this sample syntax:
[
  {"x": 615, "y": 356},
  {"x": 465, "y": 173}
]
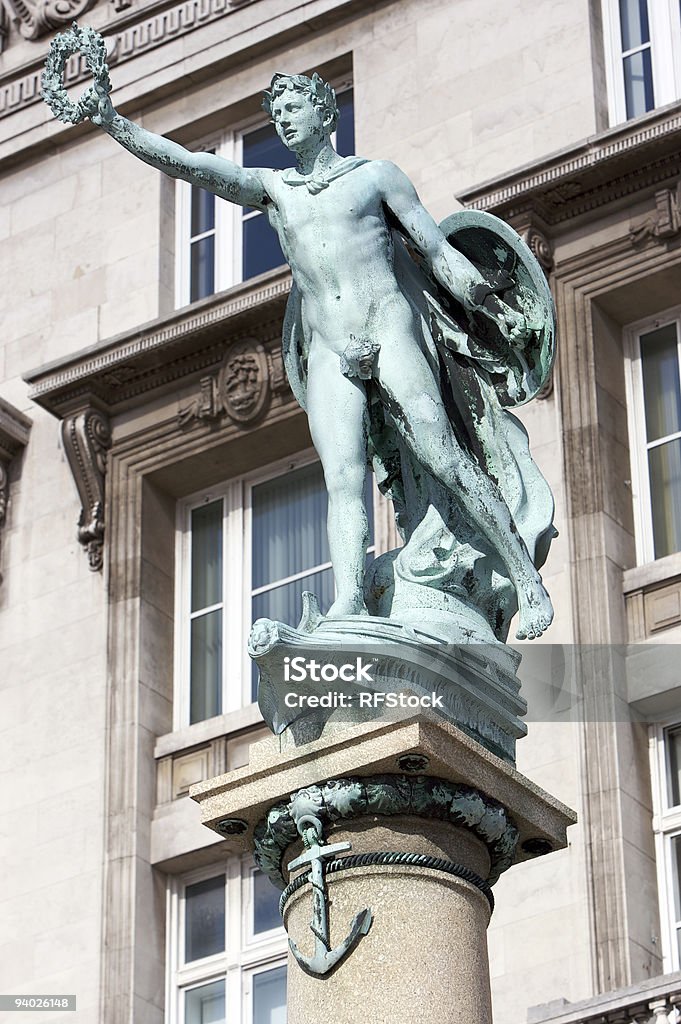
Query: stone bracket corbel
[
  {"x": 87, "y": 439},
  {"x": 14, "y": 433}
]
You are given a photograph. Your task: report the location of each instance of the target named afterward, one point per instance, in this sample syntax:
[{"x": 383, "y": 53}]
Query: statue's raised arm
[{"x": 245, "y": 186}]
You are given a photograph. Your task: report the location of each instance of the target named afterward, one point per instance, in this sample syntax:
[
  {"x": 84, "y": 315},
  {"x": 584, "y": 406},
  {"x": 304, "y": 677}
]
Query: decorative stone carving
[
  {"x": 242, "y": 386},
  {"x": 664, "y": 223},
  {"x": 87, "y": 438},
  {"x": 239, "y": 390},
  {"x": 540, "y": 246},
  {"x": 35, "y": 18}
]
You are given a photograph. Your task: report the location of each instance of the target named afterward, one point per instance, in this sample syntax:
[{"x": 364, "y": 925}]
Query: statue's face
[{"x": 298, "y": 120}]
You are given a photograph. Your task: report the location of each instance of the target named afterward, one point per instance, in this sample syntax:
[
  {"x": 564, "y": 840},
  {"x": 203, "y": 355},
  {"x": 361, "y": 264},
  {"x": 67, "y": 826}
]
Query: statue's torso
[{"x": 340, "y": 249}]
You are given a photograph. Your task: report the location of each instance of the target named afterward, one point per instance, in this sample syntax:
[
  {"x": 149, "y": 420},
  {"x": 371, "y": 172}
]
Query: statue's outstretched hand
[{"x": 105, "y": 112}]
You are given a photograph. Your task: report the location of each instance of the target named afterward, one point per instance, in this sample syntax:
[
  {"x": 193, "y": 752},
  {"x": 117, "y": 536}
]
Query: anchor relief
[{"x": 316, "y": 854}]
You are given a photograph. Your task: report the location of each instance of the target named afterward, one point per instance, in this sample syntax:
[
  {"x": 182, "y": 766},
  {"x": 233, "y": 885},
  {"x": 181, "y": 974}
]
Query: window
[
  {"x": 247, "y": 550},
  {"x": 219, "y": 244},
  {"x": 226, "y": 948},
  {"x": 643, "y": 55},
  {"x": 666, "y": 773},
  {"x": 655, "y": 432}
]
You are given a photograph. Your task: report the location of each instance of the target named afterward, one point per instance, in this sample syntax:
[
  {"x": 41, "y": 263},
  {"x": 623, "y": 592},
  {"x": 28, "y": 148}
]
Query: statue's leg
[
  {"x": 418, "y": 412},
  {"x": 336, "y": 408}
]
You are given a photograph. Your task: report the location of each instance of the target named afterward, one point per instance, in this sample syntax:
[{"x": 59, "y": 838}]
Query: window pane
[
  {"x": 265, "y": 904},
  {"x": 634, "y": 22},
  {"x": 202, "y": 256},
  {"x": 269, "y": 997},
  {"x": 676, "y": 864},
  {"x": 261, "y": 249},
  {"x": 284, "y": 603},
  {"x": 665, "y": 497},
  {"x": 660, "y": 365},
  {"x": 206, "y": 667},
  {"x": 345, "y": 129},
  {"x": 638, "y": 83},
  {"x": 204, "y": 929},
  {"x": 206, "y": 527},
  {"x": 264, "y": 148},
  {"x": 203, "y": 211},
  {"x": 205, "y": 1005},
  {"x": 289, "y": 525},
  {"x": 673, "y": 744}
]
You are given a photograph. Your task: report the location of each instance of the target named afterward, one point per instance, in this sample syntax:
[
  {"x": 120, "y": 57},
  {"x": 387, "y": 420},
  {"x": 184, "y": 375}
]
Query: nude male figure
[{"x": 334, "y": 232}]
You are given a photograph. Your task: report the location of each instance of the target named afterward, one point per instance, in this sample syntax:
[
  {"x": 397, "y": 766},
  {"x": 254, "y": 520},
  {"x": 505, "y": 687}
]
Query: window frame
[
  {"x": 238, "y": 962},
  {"x": 227, "y": 143},
  {"x": 237, "y": 550},
  {"x": 636, "y": 415},
  {"x": 664, "y": 19},
  {"x": 666, "y": 826}
]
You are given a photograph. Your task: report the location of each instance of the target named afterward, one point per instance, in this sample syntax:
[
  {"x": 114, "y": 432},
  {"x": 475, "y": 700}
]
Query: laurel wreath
[{"x": 93, "y": 46}]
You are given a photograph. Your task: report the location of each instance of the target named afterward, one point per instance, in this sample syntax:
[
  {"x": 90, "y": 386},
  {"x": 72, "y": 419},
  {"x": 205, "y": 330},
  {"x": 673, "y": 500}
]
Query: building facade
[{"x": 142, "y": 389}]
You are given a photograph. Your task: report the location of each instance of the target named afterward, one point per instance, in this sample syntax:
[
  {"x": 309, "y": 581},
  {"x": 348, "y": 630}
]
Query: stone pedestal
[
  {"x": 432, "y": 817},
  {"x": 425, "y": 956}
]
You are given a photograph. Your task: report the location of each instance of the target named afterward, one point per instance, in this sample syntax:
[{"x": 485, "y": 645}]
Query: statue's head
[{"x": 302, "y": 109}]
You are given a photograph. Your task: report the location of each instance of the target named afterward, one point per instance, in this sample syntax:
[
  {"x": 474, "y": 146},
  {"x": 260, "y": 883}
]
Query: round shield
[{"x": 520, "y": 369}]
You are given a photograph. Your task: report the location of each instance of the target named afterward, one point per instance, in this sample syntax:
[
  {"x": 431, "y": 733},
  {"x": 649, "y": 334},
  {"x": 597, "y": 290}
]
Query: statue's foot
[
  {"x": 535, "y": 610},
  {"x": 344, "y": 606}
]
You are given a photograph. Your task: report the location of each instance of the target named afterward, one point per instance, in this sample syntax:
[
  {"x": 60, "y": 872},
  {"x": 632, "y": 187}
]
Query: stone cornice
[
  {"x": 637, "y": 157},
  {"x": 123, "y": 371},
  {"x": 143, "y": 31},
  {"x": 129, "y": 37}
]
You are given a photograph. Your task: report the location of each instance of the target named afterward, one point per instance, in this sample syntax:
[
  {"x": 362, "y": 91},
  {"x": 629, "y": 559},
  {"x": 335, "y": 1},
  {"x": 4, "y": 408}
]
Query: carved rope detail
[
  {"x": 87, "y": 438},
  {"x": 35, "y": 18},
  {"x": 339, "y": 799}
]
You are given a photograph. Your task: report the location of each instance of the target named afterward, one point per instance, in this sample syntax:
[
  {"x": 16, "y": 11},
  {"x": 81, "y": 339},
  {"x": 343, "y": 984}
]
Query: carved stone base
[
  {"x": 431, "y": 817},
  {"x": 475, "y": 684}
]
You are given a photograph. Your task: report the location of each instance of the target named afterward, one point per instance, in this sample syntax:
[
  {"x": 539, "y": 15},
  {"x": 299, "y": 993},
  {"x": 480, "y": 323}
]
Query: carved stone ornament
[
  {"x": 35, "y": 18},
  {"x": 239, "y": 390},
  {"x": 540, "y": 247},
  {"x": 87, "y": 438},
  {"x": 665, "y": 223}
]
